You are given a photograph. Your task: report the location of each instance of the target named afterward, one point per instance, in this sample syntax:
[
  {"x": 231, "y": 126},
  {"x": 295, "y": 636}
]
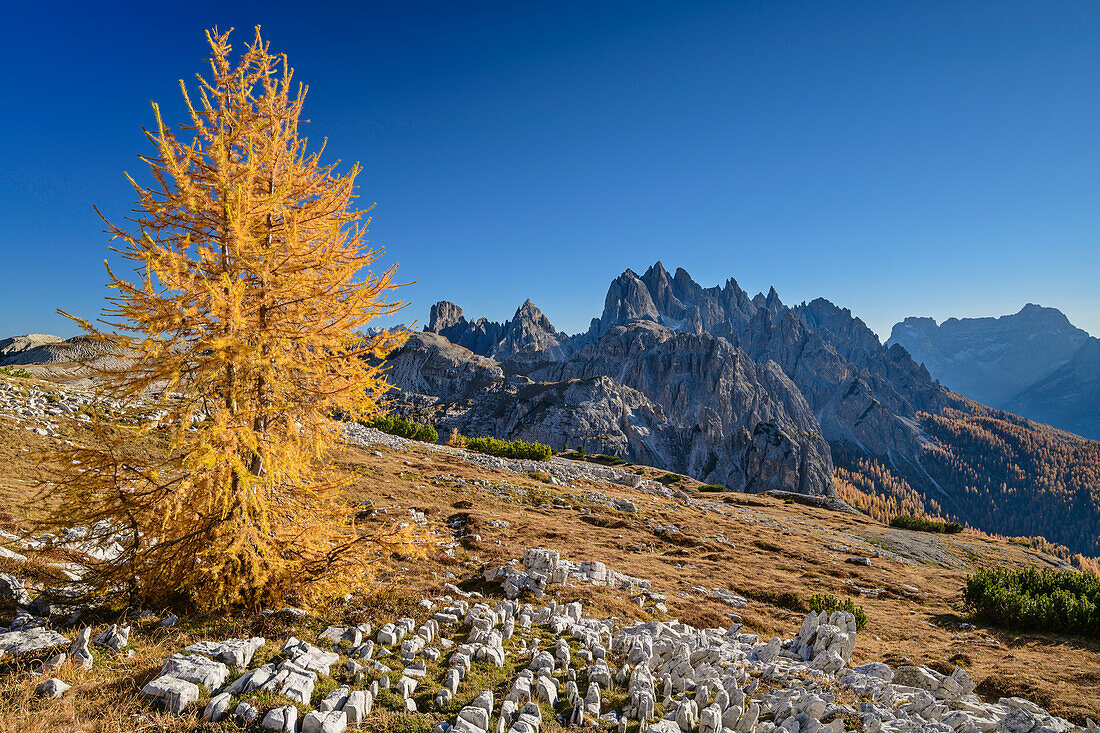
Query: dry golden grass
[
  {"x": 760, "y": 547},
  {"x": 783, "y": 550}
]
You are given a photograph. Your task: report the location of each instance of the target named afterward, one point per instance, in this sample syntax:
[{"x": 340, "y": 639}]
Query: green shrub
[
  {"x": 403, "y": 428},
  {"x": 510, "y": 448},
  {"x": 15, "y": 372},
  {"x": 827, "y": 602},
  {"x": 908, "y": 521},
  {"x": 712, "y": 487},
  {"x": 1035, "y": 599}
]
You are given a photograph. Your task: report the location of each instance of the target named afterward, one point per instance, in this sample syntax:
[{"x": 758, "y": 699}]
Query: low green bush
[
  {"x": 510, "y": 448},
  {"x": 15, "y": 372},
  {"x": 827, "y": 602},
  {"x": 920, "y": 524},
  {"x": 403, "y": 428},
  {"x": 712, "y": 487},
  {"x": 1035, "y": 599}
]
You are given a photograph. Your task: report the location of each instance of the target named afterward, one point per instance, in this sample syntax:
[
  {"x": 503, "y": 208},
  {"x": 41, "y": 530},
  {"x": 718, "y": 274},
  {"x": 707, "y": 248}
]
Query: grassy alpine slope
[{"x": 776, "y": 554}]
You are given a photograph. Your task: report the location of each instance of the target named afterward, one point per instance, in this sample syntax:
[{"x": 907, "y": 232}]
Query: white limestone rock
[
  {"x": 246, "y": 713},
  {"x": 234, "y": 652},
  {"x": 115, "y": 638},
  {"x": 284, "y": 719},
  {"x": 21, "y": 643},
  {"x": 172, "y": 693},
  {"x": 52, "y": 688},
  {"x": 335, "y": 700},
  {"x": 196, "y": 668},
  {"x": 358, "y": 706},
  {"x": 79, "y": 652},
  {"x": 217, "y": 707},
  {"x": 12, "y": 591},
  {"x": 333, "y": 721}
]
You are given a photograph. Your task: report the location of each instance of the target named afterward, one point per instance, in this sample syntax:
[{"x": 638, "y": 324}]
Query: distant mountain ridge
[
  {"x": 1068, "y": 397},
  {"x": 1033, "y": 363}
]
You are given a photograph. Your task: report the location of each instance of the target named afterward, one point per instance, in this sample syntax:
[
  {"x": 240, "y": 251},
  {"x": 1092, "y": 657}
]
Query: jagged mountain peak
[
  {"x": 529, "y": 317},
  {"x": 657, "y": 269},
  {"x": 527, "y": 307},
  {"x": 824, "y": 349},
  {"x": 706, "y": 381},
  {"x": 444, "y": 315}
]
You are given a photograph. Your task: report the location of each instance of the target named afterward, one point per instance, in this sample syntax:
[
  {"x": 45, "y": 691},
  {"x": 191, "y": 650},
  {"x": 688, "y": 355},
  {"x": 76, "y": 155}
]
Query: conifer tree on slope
[{"x": 245, "y": 316}]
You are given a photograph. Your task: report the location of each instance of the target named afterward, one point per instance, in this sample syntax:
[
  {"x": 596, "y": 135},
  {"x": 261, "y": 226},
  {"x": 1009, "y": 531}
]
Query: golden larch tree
[{"x": 242, "y": 331}]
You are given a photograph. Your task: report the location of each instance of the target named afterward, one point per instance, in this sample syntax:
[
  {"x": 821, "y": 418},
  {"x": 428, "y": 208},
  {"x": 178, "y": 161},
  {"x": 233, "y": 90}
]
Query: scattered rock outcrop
[
  {"x": 666, "y": 676},
  {"x": 21, "y": 643},
  {"x": 543, "y": 568}
]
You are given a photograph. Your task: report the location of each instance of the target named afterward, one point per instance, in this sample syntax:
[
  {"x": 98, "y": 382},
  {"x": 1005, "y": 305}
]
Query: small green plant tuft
[
  {"x": 389, "y": 700},
  {"x": 403, "y": 428},
  {"x": 712, "y": 487},
  {"x": 920, "y": 524},
  {"x": 827, "y": 602}
]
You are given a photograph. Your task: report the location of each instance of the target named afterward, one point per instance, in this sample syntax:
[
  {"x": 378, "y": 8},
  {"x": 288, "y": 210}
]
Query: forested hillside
[
  {"x": 1020, "y": 478},
  {"x": 1000, "y": 473}
]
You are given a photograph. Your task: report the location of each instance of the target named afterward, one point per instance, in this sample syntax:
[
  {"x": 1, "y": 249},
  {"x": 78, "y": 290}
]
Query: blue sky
[{"x": 897, "y": 158}]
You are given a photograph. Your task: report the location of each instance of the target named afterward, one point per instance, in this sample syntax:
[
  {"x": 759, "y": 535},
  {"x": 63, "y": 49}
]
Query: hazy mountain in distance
[
  {"x": 1068, "y": 397},
  {"x": 992, "y": 360}
]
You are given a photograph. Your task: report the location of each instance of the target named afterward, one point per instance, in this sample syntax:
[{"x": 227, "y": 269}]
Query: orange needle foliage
[{"x": 243, "y": 323}]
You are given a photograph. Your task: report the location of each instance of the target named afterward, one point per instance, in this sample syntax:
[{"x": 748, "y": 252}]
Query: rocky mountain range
[
  {"x": 738, "y": 390},
  {"x": 1033, "y": 363},
  {"x": 742, "y": 391}
]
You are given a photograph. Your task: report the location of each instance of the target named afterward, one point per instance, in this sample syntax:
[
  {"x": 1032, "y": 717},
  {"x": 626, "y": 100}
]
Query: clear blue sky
[{"x": 898, "y": 158}]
